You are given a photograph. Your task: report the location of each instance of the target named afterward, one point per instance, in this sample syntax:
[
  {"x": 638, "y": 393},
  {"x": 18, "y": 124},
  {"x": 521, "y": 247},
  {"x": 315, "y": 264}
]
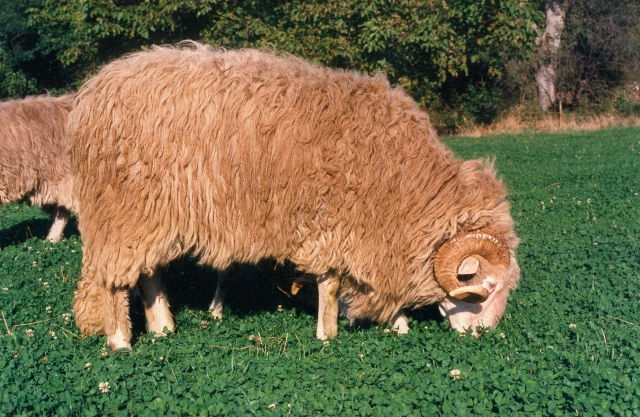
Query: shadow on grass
[
  {"x": 254, "y": 290},
  {"x": 38, "y": 228}
]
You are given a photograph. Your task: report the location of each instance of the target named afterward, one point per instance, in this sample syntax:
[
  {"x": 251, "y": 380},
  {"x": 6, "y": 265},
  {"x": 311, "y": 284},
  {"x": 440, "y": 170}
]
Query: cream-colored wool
[
  {"x": 34, "y": 163},
  {"x": 236, "y": 156}
]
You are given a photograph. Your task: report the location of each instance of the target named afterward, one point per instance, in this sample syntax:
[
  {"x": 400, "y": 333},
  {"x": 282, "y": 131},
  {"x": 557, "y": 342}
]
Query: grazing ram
[
  {"x": 237, "y": 156},
  {"x": 34, "y": 162}
]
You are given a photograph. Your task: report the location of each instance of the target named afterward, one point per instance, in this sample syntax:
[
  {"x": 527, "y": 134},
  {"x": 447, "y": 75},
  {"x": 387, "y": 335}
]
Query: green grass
[{"x": 577, "y": 210}]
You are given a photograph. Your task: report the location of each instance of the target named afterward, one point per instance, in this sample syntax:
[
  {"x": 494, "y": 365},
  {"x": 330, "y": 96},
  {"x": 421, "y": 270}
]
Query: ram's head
[{"x": 476, "y": 270}]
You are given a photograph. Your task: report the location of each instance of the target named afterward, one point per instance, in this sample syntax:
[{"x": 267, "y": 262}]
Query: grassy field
[{"x": 568, "y": 344}]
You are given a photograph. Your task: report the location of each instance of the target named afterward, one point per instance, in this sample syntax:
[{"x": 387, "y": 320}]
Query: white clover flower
[
  {"x": 53, "y": 334},
  {"x": 256, "y": 340},
  {"x": 325, "y": 343},
  {"x": 104, "y": 387},
  {"x": 87, "y": 365},
  {"x": 5, "y": 290},
  {"x": 272, "y": 406},
  {"x": 103, "y": 352},
  {"x": 66, "y": 317},
  {"x": 48, "y": 309},
  {"x": 204, "y": 324},
  {"x": 29, "y": 332},
  {"x": 46, "y": 284},
  {"x": 502, "y": 335},
  {"x": 572, "y": 326},
  {"x": 455, "y": 374},
  {"x": 280, "y": 309},
  {"x": 34, "y": 263}
]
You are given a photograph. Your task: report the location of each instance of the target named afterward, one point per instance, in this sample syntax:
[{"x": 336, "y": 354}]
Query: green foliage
[
  {"x": 431, "y": 48},
  {"x": 419, "y": 44},
  {"x": 15, "y": 39},
  {"x": 577, "y": 210},
  {"x": 625, "y": 107},
  {"x": 13, "y": 81}
]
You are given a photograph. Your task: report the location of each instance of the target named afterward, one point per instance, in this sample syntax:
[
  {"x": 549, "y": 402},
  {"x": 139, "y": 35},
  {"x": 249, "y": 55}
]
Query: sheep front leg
[
  {"x": 60, "y": 219},
  {"x": 328, "y": 309},
  {"x": 156, "y": 305},
  {"x": 400, "y": 323}
]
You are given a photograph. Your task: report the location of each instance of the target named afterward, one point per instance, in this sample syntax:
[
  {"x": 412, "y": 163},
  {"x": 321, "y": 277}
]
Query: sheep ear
[
  {"x": 469, "y": 266},
  {"x": 295, "y": 287}
]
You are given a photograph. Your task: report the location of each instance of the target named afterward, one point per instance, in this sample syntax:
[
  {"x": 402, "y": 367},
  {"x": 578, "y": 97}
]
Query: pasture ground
[{"x": 569, "y": 343}]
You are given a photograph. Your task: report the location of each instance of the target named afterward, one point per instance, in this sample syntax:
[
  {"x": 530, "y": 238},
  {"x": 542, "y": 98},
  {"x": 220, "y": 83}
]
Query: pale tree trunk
[{"x": 549, "y": 43}]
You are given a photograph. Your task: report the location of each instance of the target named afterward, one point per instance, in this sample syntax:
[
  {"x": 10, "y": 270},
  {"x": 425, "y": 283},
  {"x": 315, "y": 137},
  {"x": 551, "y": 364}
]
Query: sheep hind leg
[
  {"x": 328, "y": 309},
  {"x": 224, "y": 279},
  {"x": 88, "y": 304},
  {"x": 117, "y": 324},
  {"x": 60, "y": 219},
  {"x": 156, "y": 305}
]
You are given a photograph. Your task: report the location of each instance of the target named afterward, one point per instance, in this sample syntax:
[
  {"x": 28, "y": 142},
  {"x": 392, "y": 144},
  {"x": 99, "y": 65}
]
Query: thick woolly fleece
[
  {"x": 237, "y": 156},
  {"x": 34, "y": 162}
]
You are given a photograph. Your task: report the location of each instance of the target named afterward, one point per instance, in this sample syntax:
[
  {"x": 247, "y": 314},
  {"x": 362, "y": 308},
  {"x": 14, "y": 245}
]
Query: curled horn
[{"x": 451, "y": 254}]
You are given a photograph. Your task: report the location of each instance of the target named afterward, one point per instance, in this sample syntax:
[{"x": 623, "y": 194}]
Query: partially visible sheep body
[
  {"x": 34, "y": 163},
  {"x": 237, "y": 156}
]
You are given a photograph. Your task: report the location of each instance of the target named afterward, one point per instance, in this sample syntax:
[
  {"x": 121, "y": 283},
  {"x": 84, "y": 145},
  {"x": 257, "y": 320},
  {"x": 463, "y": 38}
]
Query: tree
[
  {"x": 588, "y": 51},
  {"x": 601, "y": 49},
  {"x": 549, "y": 44}
]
